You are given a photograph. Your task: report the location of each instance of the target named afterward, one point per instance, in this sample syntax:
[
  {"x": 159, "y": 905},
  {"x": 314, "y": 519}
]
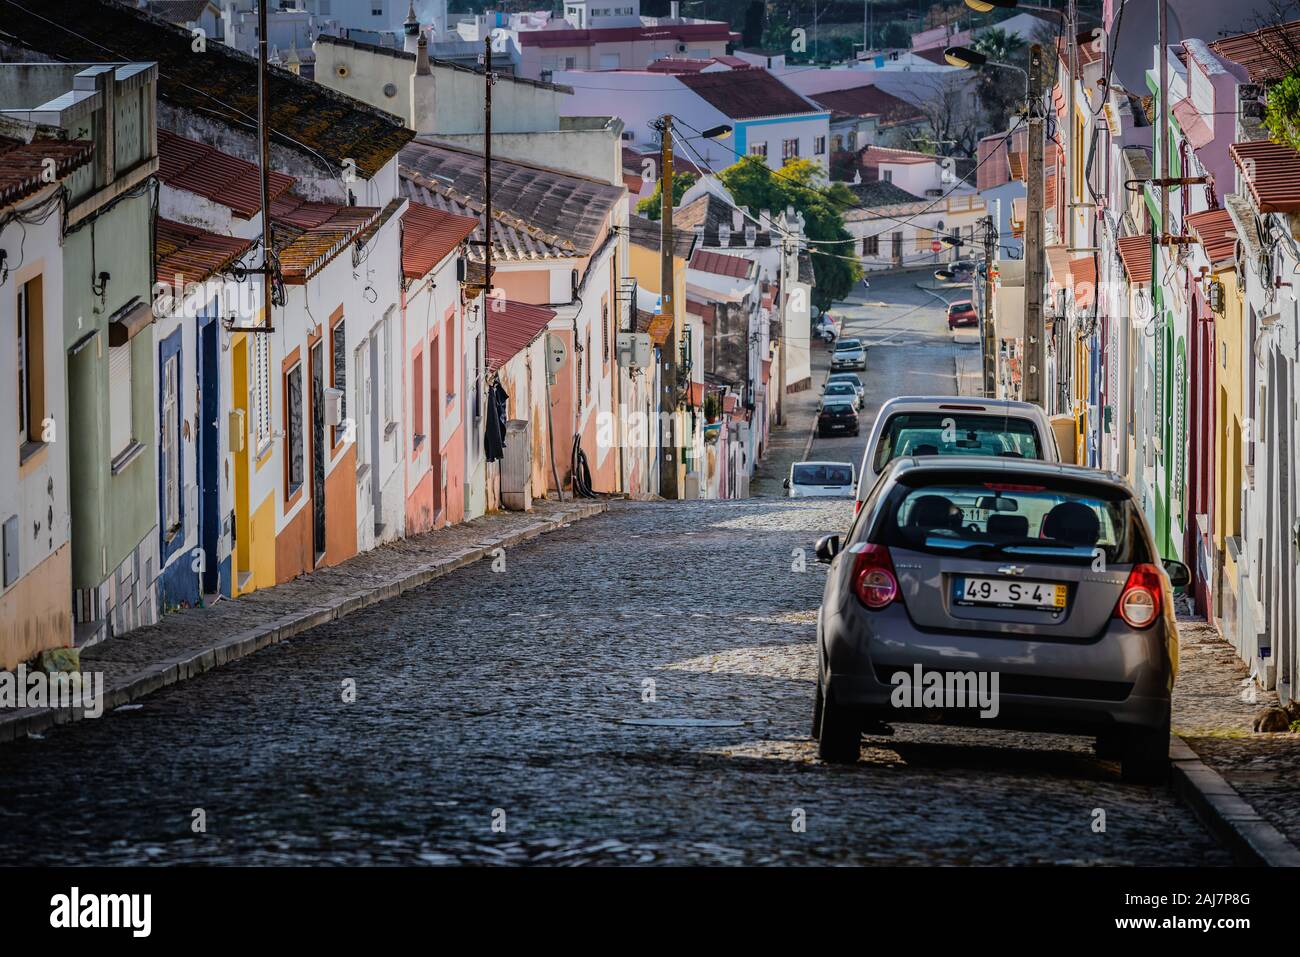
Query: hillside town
[{"x": 309, "y": 306}]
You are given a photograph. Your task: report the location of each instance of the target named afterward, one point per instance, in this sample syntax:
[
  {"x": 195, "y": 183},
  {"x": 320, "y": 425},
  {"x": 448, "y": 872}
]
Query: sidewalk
[
  {"x": 789, "y": 443},
  {"x": 1213, "y": 714},
  {"x": 194, "y": 640}
]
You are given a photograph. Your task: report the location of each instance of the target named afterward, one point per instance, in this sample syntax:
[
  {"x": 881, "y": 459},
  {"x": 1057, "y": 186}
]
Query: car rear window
[
  {"x": 949, "y": 433},
  {"x": 846, "y": 344},
  {"x": 1032, "y": 519},
  {"x": 960, "y": 307},
  {"x": 823, "y": 475},
  {"x": 840, "y": 388}
]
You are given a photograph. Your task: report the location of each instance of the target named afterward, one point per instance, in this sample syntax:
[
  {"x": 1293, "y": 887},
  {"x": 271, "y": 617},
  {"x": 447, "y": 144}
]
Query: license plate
[{"x": 1007, "y": 594}]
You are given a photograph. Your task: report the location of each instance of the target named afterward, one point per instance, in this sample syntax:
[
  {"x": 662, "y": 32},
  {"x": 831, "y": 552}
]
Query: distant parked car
[
  {"x": 849, "y": 354},
  {"x": 962, "y": 313},
  {"x": 841, "y": 390},
  {"x": 1038, "y": 585},
  {"x": 853, "y": 379},
  {"x": 963, "y": 270},
  {"x": 957, "y": 426},
  {"x": 837, "y": 415},
  {"x": 820, "y": 479}
]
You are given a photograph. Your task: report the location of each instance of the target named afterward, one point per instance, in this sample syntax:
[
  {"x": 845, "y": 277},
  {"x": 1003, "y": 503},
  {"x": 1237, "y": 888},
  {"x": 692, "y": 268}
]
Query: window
[
  {"x": 295, "y": 454},
  {"x": 570, "y": 62},
  {"x": 31, "y": 363},
  {"x": 261, "y": 397},
  {"x": 887, "y": 175},
  {"x": 853, "y": 139},
  {"x": 361, "y": 434},
  {"x": 119, "y": 399},
  {"x": 837, "y": 143},
  {"x": 587, "y": 352},
  {"x": 376, "y": 8},
  {"x": 819, "y": 145},
  {"x": 417, "y": 401},
  {"x": 789, "y": 150},
  {"x": 386, "y": 364},
  {"x": 871, "y": 245},
  {"x": 759, "y": 150},
  {"x": 171, "y": 423},
  {"x": 339, "y": 375},
  {"x": 449, "y": 348},
  {"x": 604, "y": 326},
  {"x": 930, "y": 433}
]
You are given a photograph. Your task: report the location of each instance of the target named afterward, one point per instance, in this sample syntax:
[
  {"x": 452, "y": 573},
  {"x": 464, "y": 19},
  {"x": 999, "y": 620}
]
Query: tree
[
  {"x": 954, "y": 126},
  {"x": 802, "y": 184},
  {"x": 652, "y": 206},
  {"x": 1282, "y": 115},
  {"x": 998, "y": 95}
]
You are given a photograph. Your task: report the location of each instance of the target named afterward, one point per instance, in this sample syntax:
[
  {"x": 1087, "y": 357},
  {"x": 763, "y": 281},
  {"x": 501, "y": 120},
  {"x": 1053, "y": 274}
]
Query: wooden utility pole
[
  {"x": 264, "y": 161},
  {"x": 988, "y": 341},
  {"x": 1035, "y": 358},
  {"x": 487, "y": 181},
  {"x": 669, "y": 441}
]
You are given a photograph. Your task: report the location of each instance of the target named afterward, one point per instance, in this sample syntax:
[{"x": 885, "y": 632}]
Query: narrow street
[{"x": 635, "y": 688}]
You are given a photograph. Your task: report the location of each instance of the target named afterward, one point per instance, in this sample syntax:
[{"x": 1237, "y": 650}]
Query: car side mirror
[
  {"x": 785, "y": 483},
  {"x": 1180, "y": 576},
  {"x": 828, "y": 546}
]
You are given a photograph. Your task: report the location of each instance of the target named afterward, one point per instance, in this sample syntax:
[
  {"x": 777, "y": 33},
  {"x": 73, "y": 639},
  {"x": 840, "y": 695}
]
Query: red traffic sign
[{"x": 936, "y": 246}]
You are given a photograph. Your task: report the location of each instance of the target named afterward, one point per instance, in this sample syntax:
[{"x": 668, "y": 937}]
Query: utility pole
[
  {"x": 988, "y": 342},
  {"x": 1072, "y": 64},
  {"x": 1033, "y": 374},
  {"x": 264, "y": 161},
  {"x": 784, "y": 382},
  {"x": 669, "y": 476},
  {"x": 487, "y": 181}
]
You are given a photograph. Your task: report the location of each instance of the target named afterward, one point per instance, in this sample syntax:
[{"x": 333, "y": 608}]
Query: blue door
[{"x": 209, "y": 458}]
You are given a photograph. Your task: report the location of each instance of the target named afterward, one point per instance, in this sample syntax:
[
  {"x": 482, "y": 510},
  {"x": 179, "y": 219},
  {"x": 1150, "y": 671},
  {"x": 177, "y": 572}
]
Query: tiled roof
[
  {"x": 875, "y": 155},
  {"x": 746, "y": 94},
  {"x": 634, "y": 161},
  {"x": 712, "y": 211},
  {"x": 868, "y": 100},
  {"x": 720, "y": 264},
  {"x": 1193, "y": 125},
  {"x": 1135, "y": 253},
  {"x": 307, "y": 236},
  {"x": 1268, "y": 54},
  {"x": 428, "y": 237},
  {"x": 205, "y": 171},
  {"x": 182, "y": 11},
  {"x": 567, "y": 211},
  {"x": 881, "y": 193},
  {"x": 673, "y": 64},
  {"x": 22, "y": 165},
  {"x": 512, "y": 240},
  {"x": 219, "y": 84},
  {"x": 1271, "y": 172},
  {"x": 512, "y": 328},
  {"x": 192, "y": 253},
  {"x": 645, "y": 233},
  {"x": 665, "y": 31},
  {"x": 1218, "y": 235}
]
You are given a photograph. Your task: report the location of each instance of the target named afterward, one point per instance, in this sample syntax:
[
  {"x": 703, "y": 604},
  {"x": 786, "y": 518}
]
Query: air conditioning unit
[{"x": 333, "y": 407}]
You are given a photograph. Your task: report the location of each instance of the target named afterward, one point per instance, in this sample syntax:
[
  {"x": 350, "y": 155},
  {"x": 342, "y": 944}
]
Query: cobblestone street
[{"x": 521, "y": 690}]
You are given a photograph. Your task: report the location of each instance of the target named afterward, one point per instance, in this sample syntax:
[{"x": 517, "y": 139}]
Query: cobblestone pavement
[
  {"x": 1215, "y": 704},
  {"x": 517, "y": 696}
]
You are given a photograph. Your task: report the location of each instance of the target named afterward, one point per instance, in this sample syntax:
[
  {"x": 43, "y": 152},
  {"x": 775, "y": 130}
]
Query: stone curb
[
  {"x": 172, "y": 670},
  {"x": 1226, "y": 814}
]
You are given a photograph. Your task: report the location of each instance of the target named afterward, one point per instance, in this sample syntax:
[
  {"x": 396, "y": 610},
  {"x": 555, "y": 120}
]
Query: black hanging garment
[{"x": 494, "y": 432}]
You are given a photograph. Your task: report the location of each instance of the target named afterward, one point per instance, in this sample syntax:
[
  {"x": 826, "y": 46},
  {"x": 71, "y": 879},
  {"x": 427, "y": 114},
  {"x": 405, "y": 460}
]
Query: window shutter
[{"x": 119, "y": 398}]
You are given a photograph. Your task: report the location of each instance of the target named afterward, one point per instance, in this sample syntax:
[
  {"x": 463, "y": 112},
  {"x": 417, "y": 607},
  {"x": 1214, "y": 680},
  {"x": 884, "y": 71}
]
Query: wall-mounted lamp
[{"x": 101, "y": 287}]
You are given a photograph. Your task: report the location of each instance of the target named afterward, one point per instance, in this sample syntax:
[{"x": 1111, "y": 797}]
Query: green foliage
[
  {"x": 1000, "y": 89},
  {"x": 1282, "y": 116},
  {"x": 652, "y": 205},
  {"x": 802, "y": 184}
]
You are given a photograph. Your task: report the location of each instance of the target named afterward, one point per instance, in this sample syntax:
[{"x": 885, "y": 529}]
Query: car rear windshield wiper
[{"x": 1023, "y": 546}]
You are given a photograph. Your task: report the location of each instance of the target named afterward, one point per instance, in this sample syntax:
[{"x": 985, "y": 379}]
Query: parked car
[
  {"x": 1042, "y": 578},
  {"x": 851, "y": 377},
  {"x": 841, "y": 390},
  {"x": 837, "y": 415},
  {"x": 820, "y": 479},
  {"x": 826, "y": 328},
  {"x": 963, "y": 270},
  {"x": 962, "y": 313},
  {"x": 849, "y": 354},
  {"x": 954, "y": 425}
]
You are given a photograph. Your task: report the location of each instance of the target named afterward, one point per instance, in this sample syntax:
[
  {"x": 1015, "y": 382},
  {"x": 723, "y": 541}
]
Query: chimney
[
  {"x": 724, "y": 235},
  {"x": 674, "y": 9},
  {"x": 737, "y": 220},
  {"x": 751, "y": 233},
  {"x": 422, "y": 57},
  {"x": 411, "y": 29}
]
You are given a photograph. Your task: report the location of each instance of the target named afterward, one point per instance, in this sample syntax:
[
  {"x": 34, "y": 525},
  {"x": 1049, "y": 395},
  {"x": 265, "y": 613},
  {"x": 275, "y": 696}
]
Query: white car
[
  {"x": 820, "y": 479},
  {"x": 954, "y": 425},
  {"x": 853, "y": 379}
]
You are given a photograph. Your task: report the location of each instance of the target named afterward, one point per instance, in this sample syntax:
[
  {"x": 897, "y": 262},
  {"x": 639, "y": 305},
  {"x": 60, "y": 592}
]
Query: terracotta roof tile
[
  {"x": 1218, "y": 235},
  {"x": 312, "y": 234},
  {"x": 192, "y": 253},
  {"x": 585, "y": 38},
  {"x": 201, "y": 169},
  {"x": 1271, "y": 172},
  {"x": 746, "y": 94},
  {"x": 720, "y": 264},
  {"x": 868, "y": 100},
  {"x": 513, "y": 328},
  {"x": 22, "y": 165},
  {"x": 429, "y": 236},
  {"x": 1135, "y": 253},
  {"x": 1268, "y": 54}
]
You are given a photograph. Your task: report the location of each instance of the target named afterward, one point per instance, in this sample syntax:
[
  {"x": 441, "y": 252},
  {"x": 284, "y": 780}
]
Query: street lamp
[
  {"x": 965, "y": 58},
  {"x": 717, "y": 132},
  {"x": 988, "y": 6}
]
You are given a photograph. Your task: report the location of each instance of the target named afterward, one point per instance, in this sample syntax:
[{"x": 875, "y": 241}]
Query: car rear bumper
[{"x": 1123, "y": 678}]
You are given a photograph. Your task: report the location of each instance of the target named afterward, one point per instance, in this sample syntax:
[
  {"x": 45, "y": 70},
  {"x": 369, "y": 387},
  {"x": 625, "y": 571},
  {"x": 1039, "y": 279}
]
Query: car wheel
[
  {"x": 839, "y": 739},
  {"x": 1109, "y": 746},
  {"x": 817, "y": 712},
  {"x": 1145, "y": 755}
]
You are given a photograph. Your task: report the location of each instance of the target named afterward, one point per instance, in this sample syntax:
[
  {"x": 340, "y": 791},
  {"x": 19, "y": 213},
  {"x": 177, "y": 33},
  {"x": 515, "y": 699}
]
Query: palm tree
[{"x": 997, "y": 96}]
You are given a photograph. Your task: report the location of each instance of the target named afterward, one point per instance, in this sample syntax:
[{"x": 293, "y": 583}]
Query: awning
[{"x": 129, "y": 321}]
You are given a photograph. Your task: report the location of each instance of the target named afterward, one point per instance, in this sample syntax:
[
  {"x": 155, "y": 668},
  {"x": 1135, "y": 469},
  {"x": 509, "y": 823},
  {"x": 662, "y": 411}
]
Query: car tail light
[
  {"x": 873, "y": 577},
  {"x": 1139, "y": 602},
  {"x": 857, "y": 505}
]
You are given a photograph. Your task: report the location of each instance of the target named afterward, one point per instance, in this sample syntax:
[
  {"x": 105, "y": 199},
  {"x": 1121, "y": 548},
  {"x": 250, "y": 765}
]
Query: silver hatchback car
[{"x": 998, "y": 592}]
